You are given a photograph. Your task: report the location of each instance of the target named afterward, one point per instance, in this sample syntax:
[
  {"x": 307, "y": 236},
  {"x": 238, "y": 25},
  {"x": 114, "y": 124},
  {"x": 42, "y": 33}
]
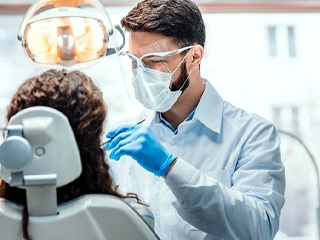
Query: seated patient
[{"x": 79, "y": 99}]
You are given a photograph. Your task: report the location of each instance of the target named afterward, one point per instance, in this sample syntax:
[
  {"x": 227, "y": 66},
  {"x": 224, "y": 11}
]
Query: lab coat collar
[{"x": 209, "y": 109}]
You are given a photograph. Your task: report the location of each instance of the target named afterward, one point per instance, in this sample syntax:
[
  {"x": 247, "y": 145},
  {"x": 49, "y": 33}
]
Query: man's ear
[{"x": 197, "y": 53}]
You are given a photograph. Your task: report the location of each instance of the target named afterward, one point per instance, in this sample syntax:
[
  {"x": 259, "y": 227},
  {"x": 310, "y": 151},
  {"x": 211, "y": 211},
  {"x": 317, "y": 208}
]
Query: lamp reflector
[{"x": 65, "y": 40}]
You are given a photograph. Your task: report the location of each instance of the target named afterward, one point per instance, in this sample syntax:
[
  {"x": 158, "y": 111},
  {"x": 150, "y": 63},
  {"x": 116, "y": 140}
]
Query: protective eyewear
[{"x": 156, "y": 60}]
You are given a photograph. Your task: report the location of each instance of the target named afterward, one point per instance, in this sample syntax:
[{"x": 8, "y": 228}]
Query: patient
[{"x": 78, "y": 98}]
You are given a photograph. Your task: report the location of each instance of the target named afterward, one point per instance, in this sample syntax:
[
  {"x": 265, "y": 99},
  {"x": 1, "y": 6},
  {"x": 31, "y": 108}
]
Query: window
[
  {"x": 287, "y": 118},
  {"x": 282, "y": 41},
  {"x": 272, "y": 41},
  {"x": 291, "y": 42}
]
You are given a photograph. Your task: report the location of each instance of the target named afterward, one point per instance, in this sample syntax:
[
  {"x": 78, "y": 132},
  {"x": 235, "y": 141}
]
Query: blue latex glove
[{"x": 140, "y": 143}]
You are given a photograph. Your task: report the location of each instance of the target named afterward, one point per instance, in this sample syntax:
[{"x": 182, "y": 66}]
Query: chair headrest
[{"x": 39, "y": 141}]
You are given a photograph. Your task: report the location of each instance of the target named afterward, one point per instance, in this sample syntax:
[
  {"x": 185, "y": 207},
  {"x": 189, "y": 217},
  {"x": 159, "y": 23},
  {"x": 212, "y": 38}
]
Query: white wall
[{"x": 240, "y": 67}]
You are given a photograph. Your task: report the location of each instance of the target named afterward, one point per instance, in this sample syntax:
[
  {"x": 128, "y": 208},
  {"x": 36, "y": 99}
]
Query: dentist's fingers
[
  {"x": 124, "y": 137},
  {"x": 116, "y": 131},
  {"x": 125, "y": 148}
]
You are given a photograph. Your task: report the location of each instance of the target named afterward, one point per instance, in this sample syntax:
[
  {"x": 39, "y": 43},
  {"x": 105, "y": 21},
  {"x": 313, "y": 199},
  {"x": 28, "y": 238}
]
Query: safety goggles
[{"x": 157, "y": 60}]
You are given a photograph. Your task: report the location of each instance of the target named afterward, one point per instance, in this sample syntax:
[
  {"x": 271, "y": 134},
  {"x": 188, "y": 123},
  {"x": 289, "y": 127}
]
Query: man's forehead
[{"x": 158, "y": 46}]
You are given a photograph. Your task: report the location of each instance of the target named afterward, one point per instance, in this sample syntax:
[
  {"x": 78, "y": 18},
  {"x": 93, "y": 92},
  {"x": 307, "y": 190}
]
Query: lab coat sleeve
[{"x": 250, "y": 208}]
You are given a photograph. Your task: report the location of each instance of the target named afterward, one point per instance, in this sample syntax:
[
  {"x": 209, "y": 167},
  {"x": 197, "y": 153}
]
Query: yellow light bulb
[
  {"x": 37, "y": 41},
  {"x": 95, "y": 37},
  {"x": 78, "y": 26}
]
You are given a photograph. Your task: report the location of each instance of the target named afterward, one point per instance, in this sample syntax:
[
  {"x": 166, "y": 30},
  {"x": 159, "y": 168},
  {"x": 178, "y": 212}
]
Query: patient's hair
[{"x": 79, "y": 99}]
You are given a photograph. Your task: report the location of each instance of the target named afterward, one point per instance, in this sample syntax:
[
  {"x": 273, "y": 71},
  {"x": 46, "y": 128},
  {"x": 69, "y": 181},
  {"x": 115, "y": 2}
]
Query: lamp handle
[{"x": 111, "y": 51}]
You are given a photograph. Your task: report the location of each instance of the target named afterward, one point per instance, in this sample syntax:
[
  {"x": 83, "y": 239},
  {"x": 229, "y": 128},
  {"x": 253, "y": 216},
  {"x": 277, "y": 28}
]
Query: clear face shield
[{"x": 149, "y": 72}]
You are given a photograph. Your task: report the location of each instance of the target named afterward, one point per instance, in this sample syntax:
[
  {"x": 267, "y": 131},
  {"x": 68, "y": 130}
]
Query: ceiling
[
  {"x": 132, "y": 2},
  {"x": 214, "y": 6}
]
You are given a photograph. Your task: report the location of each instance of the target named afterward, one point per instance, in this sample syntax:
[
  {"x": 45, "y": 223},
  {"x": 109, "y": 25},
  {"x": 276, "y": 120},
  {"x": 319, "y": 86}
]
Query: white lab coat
[{"x": 228, "y": 182}]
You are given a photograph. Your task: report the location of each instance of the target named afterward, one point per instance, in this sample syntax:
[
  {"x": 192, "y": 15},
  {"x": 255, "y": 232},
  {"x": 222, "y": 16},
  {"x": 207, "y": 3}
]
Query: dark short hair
[{"x": 180, "y": 20}]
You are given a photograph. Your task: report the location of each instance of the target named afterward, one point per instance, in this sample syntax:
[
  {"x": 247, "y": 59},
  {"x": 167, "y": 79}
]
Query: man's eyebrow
[{"x": 154, "y": 56}]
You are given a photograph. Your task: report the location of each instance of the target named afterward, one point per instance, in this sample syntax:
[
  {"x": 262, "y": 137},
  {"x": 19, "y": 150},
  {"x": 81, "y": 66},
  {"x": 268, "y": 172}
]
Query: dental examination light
[{"x": 58, "y": 32}]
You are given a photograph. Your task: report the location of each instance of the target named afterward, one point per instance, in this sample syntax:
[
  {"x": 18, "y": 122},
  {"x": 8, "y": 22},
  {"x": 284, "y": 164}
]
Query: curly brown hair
[{"x": 76, "y": 96}]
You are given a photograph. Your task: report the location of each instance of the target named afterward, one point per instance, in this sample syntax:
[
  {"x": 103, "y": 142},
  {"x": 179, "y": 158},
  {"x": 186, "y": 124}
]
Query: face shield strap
[
  {"x": 184, "y": 83},
  {"x": 184, "y": 58}
]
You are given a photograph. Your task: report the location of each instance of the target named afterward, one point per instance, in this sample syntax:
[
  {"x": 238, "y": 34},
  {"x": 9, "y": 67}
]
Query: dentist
[{"x": 208, "y": 170}]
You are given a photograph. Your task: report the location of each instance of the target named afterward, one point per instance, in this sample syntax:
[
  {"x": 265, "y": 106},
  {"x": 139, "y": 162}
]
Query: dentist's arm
[{"x": 248, "y": 210}]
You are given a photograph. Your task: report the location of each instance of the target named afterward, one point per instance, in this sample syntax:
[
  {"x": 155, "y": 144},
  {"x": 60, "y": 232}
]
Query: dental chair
[{"x": 40, "y": 154}]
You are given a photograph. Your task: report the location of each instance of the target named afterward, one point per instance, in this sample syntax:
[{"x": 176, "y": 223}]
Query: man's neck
[{"x": 186, "y": 103}]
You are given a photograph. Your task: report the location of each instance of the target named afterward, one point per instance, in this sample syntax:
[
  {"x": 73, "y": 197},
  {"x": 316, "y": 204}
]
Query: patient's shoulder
[{"x": 142, "y": 210}]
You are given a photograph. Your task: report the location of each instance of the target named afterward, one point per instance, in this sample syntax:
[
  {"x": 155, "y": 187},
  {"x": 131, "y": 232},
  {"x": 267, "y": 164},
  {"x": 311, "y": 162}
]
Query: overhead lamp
[{"x": 65, "y": 34}]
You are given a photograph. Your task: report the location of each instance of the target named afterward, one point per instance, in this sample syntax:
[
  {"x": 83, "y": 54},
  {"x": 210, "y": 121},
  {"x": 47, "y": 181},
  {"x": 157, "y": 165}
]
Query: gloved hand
[{"x": 140, "y": 143}]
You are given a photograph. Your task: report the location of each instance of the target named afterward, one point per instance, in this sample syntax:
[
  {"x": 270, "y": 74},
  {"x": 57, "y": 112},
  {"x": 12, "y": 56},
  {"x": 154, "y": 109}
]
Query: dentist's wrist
[{"x": 171, "y": 166}]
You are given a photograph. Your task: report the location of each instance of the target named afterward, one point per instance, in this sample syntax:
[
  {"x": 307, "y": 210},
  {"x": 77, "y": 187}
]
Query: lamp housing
[{"x": 66, "y": 35}]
